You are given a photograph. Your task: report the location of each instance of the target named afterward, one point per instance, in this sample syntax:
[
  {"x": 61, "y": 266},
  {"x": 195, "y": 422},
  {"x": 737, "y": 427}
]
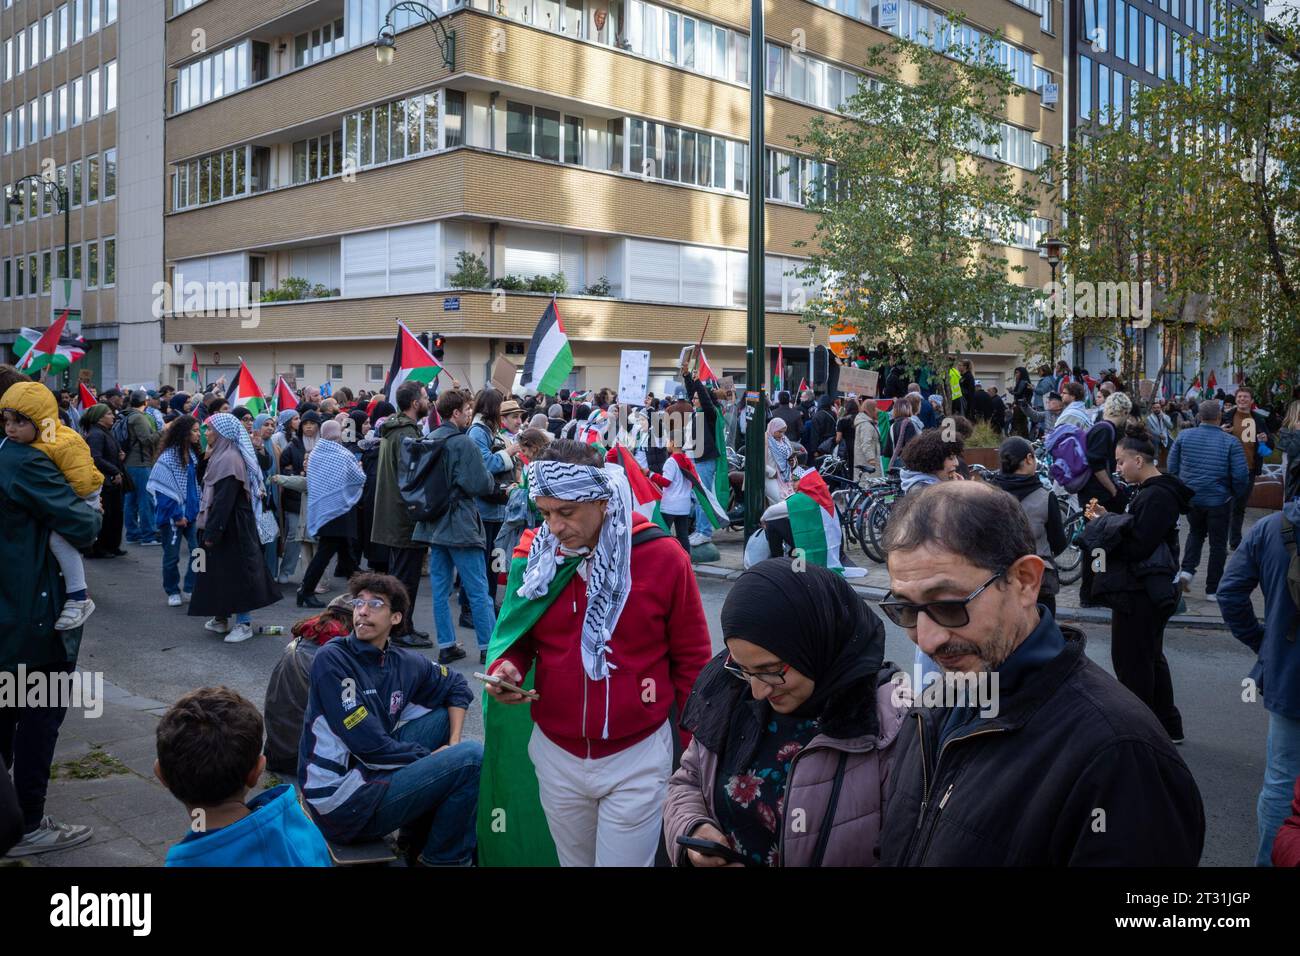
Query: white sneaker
[
  {"x": 1184, "y": 580},
  {"x": 50, "y": 836},
  {"x": 185, "y": 596},
  {"x": 74, "y": 614},
  {"x": 1212, "y": 597},
  {"x": 697, "y": 539},
  {"x": 322, "y": 588},
  {"x": 219, "y": 625},
  {"x": 241, "y": 633},
  {"x": 174, "y": 600}
]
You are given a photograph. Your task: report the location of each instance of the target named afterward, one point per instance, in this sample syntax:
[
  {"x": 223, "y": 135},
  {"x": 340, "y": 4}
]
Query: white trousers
[{"x": 605, "y": 812}]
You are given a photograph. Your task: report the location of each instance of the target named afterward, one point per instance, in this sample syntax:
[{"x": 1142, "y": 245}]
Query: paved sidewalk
[
  {"x": 1200, "y": 612},
  {"x": 103, "y": 777}
]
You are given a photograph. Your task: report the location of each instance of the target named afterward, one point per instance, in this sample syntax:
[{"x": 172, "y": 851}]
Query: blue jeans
[
  {"x": 706, "y": 471},
  {"x": 440, "y": 788},
  {"x": 172, "y": 538},
  {"x": 138, "y": 508},
  {"x": 292, "y": 546},
  {"x": 473, "y": 581},
  {"x": 1280, "y": 774}
]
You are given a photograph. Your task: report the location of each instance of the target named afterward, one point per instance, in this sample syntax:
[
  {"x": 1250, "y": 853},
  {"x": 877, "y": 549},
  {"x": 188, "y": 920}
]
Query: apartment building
[
  {"x": 601, "y": 140},
  {"x": 82, "y": 110},
  {"x": 1117, "y": 49}
]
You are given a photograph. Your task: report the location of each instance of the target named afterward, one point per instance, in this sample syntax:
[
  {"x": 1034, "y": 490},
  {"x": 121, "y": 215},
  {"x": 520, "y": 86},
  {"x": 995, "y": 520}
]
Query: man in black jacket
[
  {"x": 786, "y": 411},
  {"x": 1068, "y": 768},
  {"x": 707, "y": 455}
]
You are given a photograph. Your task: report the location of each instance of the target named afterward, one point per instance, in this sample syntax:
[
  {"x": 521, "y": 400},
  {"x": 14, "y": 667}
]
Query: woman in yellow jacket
[{"x": 31, "y": 416}]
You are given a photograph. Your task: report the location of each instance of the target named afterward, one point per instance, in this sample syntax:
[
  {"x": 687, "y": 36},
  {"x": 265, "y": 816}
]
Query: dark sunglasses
[{"x": 953, "y": 613}]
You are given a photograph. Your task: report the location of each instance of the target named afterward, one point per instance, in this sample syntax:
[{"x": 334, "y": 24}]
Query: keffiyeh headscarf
[
  {"x": 169, "y": 477},
  {"x": 334, "y": 480},
  {"x": 779, "y": 448},
  {"x": 610, "y": 578},
  {"x": 232, "y": 455}
]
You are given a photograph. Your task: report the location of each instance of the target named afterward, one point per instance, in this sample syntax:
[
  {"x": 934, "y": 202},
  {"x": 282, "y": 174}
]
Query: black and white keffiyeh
[{"x": 609, "y": 580}]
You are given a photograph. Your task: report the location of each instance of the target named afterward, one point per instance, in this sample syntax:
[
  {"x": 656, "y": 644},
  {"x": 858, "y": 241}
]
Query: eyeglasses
[
  {"x": 373, "y": 603},
  {"x": 771, "y": 678},
  {"x": 952, "y": 613}
]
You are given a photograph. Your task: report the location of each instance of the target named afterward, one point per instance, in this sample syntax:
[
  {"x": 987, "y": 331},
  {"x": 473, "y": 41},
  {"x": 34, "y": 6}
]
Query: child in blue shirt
[{"x": 210, "y": 757}]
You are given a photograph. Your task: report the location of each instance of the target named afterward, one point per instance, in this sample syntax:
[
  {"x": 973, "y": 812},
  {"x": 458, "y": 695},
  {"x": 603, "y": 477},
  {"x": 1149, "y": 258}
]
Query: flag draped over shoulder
[
  {"x": 411, "y": 362},
  {"x": 550, "y": 359},
  {"x": 512, "y": 827},
  {"x": 813, "y": 522},
  {"x": 646, "y": 496}
]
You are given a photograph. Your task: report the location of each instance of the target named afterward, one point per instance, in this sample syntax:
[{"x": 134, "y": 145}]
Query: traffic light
[{"x": 439, "y": 341}]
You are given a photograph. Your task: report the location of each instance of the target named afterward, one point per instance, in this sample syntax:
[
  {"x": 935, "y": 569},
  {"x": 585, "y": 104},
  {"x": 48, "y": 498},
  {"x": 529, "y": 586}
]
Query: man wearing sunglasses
[
  {"x": 1070, "y": 769},
  {"x": 381, "y": 745}
]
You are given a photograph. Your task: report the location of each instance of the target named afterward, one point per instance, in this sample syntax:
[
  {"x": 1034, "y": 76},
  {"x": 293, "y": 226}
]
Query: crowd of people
[{"x": 613, "y": 734}]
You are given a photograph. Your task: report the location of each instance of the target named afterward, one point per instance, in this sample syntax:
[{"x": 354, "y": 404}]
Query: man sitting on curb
[{"x": 381, "y": 744}]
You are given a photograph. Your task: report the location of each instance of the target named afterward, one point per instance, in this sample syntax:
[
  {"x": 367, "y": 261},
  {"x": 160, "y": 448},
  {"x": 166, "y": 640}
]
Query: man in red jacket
[{"x": 621, "y": 638}]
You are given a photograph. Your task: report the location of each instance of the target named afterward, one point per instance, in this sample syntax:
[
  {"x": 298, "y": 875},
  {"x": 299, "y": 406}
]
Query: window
[
  {"x": 62, "y": 16},
  {"x": 9, "y": 131},
  {"x": 1132, "y": 35},
  {"x": 47, "y": 274},
  {"x": 78, "y": 21},
  {"x": 1085, "y": 88},
  {"x": 374, "y": 373},
  {"x": 92, "y": 265},
  {"x": 34, "y": 112},
  {"x": 110, "y": 174},
  {"x": 1103, "y": 93},
  {"x": 1162, "y": 44},
  {"x": 318, "y": 157},
  {"x": 34, "y": 40},
  {"x": 20, "y": 127},
  {"x": 573, "y": 140},
  {"x": 335, "y": 372},
  {"x": 33, "y": 275},
  {"x": 454, "y": 122},
  {"x": 19, "y": 287},
  {"x": 194, "y": 81},
  {"x": 94, "y": 15},
  {"x": 110, "y": 86},
  {"x": 1149, "y": 39},
  {"x": 78, "y": 101},
  {"x": 110, "y": 12},
  {"x": 8, "y": 278},
  {"x": 92, "y": 179},
  {"x": 76, "y": 262},
  {"x": 1121, "y": 21},
  {"x": 315, "y": 45},
  {"x": 75, "y": 184},
  {"x": 9, "y": 58},
  {"x": 92, "y": 95},
  {"x": 20, "y": 39},
  {"x": 47, "y": 115}
]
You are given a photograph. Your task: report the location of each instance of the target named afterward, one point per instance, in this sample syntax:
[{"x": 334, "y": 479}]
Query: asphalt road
[{"x": 155, "y": 651}]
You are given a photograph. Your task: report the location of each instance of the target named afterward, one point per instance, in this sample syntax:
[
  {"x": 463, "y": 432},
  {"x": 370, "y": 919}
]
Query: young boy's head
[
  {"x": 210, "y": 748},
  {"x": 18, "y": 427}
]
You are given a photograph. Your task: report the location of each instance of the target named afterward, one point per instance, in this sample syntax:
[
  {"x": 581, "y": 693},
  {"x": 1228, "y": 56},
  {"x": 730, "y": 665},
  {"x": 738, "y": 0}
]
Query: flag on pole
[
  {"x": 284, "y": 398},
  {"x": 813, "y": 522},
  {"x": 48, "y": 349},
  {"x": 84, "y": 397},
  {"x": 646, "y": 496},
  {"x": 1195, "y": 388},
  {"x": 550, "y": 359},
  {"x": 1210, "y": 385},
  {"x": 778, "y": 374},
  {"x": 246, "y": 392},
  {"x": 803, "y": 385},
  {"x": 194, "y": 369},
  {"x": 706, "y": 373},
  {"x": 704, "y": 495},
  {"x": 411, "y": 362}
]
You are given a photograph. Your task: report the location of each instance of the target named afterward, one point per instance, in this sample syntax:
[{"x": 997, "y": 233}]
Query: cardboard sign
[
  {"x": 633, "y": 377},
  {"x": 503, "y": 376},
  {"x": 858, "y": 381},
  {"x": 727, "y": 383}
]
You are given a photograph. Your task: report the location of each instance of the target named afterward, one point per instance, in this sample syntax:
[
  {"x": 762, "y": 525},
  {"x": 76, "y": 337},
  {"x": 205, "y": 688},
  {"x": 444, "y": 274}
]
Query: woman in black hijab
[{"x": 790, "y": 723}]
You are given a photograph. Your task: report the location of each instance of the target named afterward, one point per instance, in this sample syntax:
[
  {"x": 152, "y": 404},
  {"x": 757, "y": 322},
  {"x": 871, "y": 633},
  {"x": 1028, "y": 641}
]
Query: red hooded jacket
[{"x": 660, "y": 645}]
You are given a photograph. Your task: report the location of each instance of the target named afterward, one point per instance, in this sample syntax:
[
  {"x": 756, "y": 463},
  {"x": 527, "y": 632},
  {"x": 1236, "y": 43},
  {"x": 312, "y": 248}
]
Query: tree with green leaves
[{"x": 909, "y": 248}]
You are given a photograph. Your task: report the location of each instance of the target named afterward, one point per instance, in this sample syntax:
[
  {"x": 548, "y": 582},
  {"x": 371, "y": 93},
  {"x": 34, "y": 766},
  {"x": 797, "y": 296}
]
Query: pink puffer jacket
[{"x": 855, "y": 830}]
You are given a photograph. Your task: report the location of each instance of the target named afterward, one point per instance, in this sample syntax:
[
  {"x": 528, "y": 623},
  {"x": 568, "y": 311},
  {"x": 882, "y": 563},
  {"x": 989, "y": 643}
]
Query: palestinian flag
[
  {"x": 1211, "y": 384},
  {"x": 803, "y": 385},
  {"x": 84, "y": 398},
  {"x": 704, "y": 495},
  {"x": 778, "y": 374},
  {"x": 411, "y": 362},
  {"x": 645, "y": 494},
  {"x": 50, "y": 349},
  {"x": 550, "y": 359},
  {"x": 1194, "y": 389},
  {"x": 284, "y": 398},
  {"x": 813, "y": 522},
  {"x": 593, "y": 430},
  {"x": 246, "y": 392},
  {"x": 706, "y": 373},
  {"x": 194, "y": 368},
  {"x": 722, "y": 469}
]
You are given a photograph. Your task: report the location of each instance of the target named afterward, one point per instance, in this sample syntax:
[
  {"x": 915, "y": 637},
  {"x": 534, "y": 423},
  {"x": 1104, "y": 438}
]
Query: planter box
[{"x": 1266, "y": 494}]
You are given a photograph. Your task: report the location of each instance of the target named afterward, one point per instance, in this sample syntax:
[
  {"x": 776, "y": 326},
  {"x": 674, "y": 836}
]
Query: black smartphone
[{"x": 712, "y": 848}]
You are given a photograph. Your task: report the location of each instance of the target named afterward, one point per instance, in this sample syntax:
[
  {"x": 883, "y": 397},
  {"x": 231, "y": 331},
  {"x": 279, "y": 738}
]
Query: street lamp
[
  {"x": 61, "y": 198},
  {"x": 386, "y": 43},
  {"x": 1053, "y": 249},
  {"x": 755, "y": 333}
]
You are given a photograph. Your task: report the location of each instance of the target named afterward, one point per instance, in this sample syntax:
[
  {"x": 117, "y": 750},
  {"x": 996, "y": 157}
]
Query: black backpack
[
  {"x": 122, "y": 430},
  {"x": 423, "y": 478}
]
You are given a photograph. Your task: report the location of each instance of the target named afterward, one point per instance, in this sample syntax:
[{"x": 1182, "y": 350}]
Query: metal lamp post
[
  {"x": 755, "y": 336},
  {"x": 1053, "y": 249},
  {"x": 61, "y": 195},
  {"x": 386, "y": 44}
]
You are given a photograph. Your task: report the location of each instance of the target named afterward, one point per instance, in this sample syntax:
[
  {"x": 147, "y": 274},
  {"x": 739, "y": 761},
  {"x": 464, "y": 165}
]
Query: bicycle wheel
[
  {"x": 875, "y": 523},
  {"x": 853, "y": 516},
  {"x": 1069, "y": 563}
]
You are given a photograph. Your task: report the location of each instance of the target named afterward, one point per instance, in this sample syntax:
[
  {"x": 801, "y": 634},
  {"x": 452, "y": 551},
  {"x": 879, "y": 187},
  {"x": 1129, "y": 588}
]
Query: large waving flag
[
  {"x": 246, "y": 392},
  {"x": 284, "y": 398},
  {"x": 704, "y": 495},
  {"x": 645, "y": 496},
  {"x": 49, "y": 349},
  {"x": 550, "y": 359},
  {"x": 813, "y": 522},
  {"x": 84, "y": 398},
  {"x": 412, "y": 362}
]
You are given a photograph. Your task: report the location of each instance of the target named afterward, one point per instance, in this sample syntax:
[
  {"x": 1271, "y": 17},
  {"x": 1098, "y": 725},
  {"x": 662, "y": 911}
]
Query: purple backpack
[{"x": 1067, "y": 444}]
